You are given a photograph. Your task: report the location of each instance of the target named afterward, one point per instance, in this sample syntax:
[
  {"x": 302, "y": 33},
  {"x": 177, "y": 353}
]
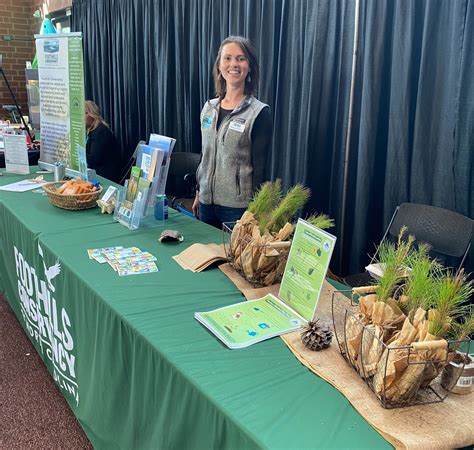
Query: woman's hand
[{"x": 196, "y": 205}]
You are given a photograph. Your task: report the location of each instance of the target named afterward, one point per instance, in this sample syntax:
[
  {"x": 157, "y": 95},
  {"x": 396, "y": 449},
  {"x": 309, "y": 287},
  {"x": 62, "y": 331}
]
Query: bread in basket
[{"x": 73, "y": 195}]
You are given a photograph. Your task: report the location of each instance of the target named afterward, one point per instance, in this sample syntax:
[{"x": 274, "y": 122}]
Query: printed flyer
[
  {"x": 306, "y": 269},
  {"x": 247, "y": 323},
  {"x": 16, "y": 154}
]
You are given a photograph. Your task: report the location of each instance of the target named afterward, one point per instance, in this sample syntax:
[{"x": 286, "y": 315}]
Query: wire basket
[
  {"x": 260, "y": 265},
  {"x": 399, "y": 376},
  {"x": 72, "y": 202}
]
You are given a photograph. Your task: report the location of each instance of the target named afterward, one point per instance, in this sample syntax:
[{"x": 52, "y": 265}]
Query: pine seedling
[
  {"x": 321, "y": 221},
  {"x": 265, "y": 201},
  {"x": 420, "y": 287},
  {"x": 463, "y": 330},
  {"x": 294, "y": 200},
  {"x": 393, "y": 259},
  {"x": 450, "y": 301}
]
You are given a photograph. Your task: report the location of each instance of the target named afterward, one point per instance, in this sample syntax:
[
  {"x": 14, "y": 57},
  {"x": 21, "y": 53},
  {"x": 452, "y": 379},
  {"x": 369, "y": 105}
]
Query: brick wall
[
  {"x": 49, "y": 6},
  {"x": 16, "y": 20}
]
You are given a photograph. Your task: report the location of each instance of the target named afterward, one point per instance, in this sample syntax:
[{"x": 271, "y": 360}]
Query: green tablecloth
[{"x": 136, "y": 368}]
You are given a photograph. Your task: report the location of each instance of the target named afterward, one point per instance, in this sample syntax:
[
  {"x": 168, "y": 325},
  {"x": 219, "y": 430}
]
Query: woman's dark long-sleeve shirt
[{"x": 103, "y": 153}]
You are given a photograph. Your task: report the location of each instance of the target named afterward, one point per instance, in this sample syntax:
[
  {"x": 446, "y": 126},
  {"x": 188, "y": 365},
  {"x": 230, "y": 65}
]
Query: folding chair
[
  {"x": 181, "y": 183},
  {"x": 448, "y": 233}
]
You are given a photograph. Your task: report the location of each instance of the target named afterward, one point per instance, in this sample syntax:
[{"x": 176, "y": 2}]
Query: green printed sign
[
  {"x": 77, "y": 130},
  {"x": 305, "y": 271}
]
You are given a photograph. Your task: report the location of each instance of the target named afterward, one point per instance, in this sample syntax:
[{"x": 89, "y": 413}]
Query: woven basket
[{"x": 73, "y": 202}]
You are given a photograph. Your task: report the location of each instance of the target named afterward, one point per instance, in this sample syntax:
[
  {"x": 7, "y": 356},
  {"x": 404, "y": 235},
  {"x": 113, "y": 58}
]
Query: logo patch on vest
[
  {"x": 237, "y": 124},
  {"x": 207, "y": 122}
]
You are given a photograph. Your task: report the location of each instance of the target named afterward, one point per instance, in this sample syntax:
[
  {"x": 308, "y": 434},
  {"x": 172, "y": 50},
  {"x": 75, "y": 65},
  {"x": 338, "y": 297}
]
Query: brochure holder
[
  {"x": 136, "y": 214},
  {"x": 136, "y": 201}
]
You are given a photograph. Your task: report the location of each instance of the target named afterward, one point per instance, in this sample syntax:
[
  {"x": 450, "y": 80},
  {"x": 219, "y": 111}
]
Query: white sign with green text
[{"x": 61, "y": 83}]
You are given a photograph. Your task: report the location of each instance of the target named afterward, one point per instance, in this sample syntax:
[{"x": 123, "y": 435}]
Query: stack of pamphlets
[{"x": 125, "y": 261}]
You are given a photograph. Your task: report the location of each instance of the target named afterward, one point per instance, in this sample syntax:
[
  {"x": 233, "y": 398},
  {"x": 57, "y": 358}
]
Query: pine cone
[{"x": 317, "y": 335}]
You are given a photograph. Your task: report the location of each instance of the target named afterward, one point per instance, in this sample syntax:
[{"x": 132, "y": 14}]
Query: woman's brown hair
[{"x": 92, "y": 110}]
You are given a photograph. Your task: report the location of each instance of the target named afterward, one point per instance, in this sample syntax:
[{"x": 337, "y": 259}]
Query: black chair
[
  {"x": 448, "y": 233},
  {"x": 181, "y": 182}
]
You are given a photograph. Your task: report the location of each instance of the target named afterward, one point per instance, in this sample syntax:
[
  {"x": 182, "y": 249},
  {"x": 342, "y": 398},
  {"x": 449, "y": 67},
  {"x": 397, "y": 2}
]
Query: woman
[
  {"x": 236, "y": 133},
  {"x": 102, "y": 147}
]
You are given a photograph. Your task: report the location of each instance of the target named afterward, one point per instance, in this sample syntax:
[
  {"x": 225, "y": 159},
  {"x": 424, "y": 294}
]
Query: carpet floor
[{"x": 33, "y": 412}]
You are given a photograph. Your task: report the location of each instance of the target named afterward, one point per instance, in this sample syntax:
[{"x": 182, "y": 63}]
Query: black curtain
[
  {"x": 148, "y": 66},
  {"x": 413, "y": 131}
]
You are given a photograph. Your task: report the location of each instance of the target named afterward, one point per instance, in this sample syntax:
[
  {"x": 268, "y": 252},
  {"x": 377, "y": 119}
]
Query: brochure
[
  {"x": 16, "y": 154},
  {"x": 166, "y": 145},
  {"x": 247, "y": 323},
  {"x": 133, "y": 184},
  {"x": 142, "y": 189},
  {"x": 149, "y": 159}
]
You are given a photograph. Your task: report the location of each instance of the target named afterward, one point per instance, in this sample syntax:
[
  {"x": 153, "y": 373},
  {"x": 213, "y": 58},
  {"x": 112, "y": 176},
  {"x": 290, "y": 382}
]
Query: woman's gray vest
[{"x": 225, "y": 173}]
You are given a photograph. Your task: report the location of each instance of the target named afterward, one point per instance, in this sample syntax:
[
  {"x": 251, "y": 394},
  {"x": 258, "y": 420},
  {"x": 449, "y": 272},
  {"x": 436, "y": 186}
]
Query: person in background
[
  {"x": 102, "y": 147},
  {"x": 236, "y": 133}
]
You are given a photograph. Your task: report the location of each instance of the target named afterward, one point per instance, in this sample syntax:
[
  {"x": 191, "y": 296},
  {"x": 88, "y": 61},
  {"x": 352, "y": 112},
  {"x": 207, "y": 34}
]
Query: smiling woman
[{"x": 236, "y": 133}]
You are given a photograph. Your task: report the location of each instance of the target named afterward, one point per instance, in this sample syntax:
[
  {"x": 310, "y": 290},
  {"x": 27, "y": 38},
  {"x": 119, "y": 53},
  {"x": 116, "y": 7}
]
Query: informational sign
[
  {"x": 306, "y": 269},
  {"x": 16, "y": 154},
  {"x": 61, "y": 84}
]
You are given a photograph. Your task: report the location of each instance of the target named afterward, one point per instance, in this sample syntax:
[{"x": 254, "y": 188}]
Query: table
[{"x": 136, "y": 368}]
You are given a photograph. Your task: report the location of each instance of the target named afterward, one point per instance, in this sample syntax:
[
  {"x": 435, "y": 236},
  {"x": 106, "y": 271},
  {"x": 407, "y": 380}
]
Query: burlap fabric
[{"x": 448, "y": 424}]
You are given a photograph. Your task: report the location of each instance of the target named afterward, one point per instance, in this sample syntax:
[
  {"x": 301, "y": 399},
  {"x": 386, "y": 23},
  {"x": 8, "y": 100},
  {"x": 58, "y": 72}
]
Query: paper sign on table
[
  {"x": 22, "y": 186},
  {"x": 16, "y": 154}
]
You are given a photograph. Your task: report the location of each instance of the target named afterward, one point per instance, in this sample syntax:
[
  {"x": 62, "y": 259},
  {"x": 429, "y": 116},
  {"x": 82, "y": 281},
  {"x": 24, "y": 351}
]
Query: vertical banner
[{"x": 61, "y": 83}]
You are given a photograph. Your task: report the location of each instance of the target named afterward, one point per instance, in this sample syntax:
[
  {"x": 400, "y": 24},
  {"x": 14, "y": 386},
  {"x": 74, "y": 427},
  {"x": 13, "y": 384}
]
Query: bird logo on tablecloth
[{"x": 50, "y": 272}]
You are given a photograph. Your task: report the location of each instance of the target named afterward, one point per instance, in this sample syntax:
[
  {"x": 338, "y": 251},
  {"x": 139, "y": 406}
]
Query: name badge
[{"x": 237, "y": 125}]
